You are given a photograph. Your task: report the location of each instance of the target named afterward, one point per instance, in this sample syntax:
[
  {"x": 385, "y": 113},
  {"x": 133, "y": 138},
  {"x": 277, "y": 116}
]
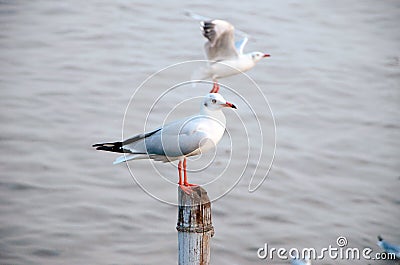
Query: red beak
[
  {"x": 228, "y": 104},
  {"x": 267, "y": 55}
]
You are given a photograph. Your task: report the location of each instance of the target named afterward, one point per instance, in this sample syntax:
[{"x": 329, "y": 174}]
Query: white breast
[
  {"x": 235, "y": 66},
  {"x": 214, "y": 127}
]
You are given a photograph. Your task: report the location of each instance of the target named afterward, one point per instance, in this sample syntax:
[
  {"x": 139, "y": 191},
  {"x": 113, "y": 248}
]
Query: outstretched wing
[
  {"x": 240, "y": 44},
  {"x": 221, "y": 41}
]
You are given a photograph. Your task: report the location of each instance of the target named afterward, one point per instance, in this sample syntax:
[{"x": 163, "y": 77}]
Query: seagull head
[
  {"x": 256, "y": 56},
  {"x": 214, "y": 101}
]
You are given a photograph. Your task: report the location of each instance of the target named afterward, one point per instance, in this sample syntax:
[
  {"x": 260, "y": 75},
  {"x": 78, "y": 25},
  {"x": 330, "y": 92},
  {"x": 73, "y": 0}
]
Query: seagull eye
[{"x": 214, "y": 101}]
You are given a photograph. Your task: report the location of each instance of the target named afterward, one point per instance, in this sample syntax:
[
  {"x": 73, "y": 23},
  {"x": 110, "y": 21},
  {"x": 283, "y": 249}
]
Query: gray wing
[
  {"x": 221, "y": 41},
  {"x": 127, "y": 146},
  {"x": 162, "y": 144},
  {"x": 137, "y": 143},
  {"x": 173, "y": 149},
  {"x": 139, "y": 137},
  {"x": 240, "y": 44},
  {"x": 176, "y": 139}
]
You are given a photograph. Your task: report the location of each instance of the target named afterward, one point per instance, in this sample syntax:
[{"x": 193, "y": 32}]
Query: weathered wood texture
[{"x": 194, "y": 227}]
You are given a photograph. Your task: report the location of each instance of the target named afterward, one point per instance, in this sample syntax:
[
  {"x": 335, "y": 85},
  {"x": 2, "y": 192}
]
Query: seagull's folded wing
[
  {"x": 177, "y": 141},
  {"x": 174, "y": 140}
]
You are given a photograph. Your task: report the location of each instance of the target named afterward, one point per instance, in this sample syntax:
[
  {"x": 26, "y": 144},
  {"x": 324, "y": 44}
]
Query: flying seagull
[{"x": 225, "y": 56}]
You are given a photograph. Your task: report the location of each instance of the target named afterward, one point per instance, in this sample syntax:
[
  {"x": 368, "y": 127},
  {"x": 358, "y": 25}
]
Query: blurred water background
[{"x": 69, "y": 68}]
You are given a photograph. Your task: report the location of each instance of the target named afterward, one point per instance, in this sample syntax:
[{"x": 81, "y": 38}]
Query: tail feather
[
  {"x": 126, "y": 158},
  {"x": 110, "y": 147}
]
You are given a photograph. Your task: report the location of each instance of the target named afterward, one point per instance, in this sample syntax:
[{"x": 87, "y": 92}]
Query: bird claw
[{"x": 187, "y": 188}]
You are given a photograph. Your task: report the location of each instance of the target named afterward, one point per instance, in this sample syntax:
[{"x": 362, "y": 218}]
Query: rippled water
[{"x": 68, "y": 69}]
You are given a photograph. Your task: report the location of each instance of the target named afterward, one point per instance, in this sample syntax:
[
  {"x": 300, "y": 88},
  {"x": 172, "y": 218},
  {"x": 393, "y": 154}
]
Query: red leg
[
  {"x": 215, "y": 88},
  {"x": 185, "y": 181},
  {"x": 180, "y": 173},
  {"x": 183, "y": 184}
]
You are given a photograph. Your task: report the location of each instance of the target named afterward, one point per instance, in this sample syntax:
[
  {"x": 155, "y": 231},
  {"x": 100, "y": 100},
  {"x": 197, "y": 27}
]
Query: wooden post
[{"x": 194, "y": 227}]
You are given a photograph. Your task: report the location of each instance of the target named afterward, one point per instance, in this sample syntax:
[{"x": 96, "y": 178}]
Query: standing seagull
[
  {"x": 388, "y": 248},
  {"x": 177, "y": 140},
  {"x": 225, "y": 55}
]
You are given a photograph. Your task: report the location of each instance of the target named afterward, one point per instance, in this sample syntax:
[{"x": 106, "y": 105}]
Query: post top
[
  {"x": 194, "y": 211},
  {"x": 198, "y": 195}
]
